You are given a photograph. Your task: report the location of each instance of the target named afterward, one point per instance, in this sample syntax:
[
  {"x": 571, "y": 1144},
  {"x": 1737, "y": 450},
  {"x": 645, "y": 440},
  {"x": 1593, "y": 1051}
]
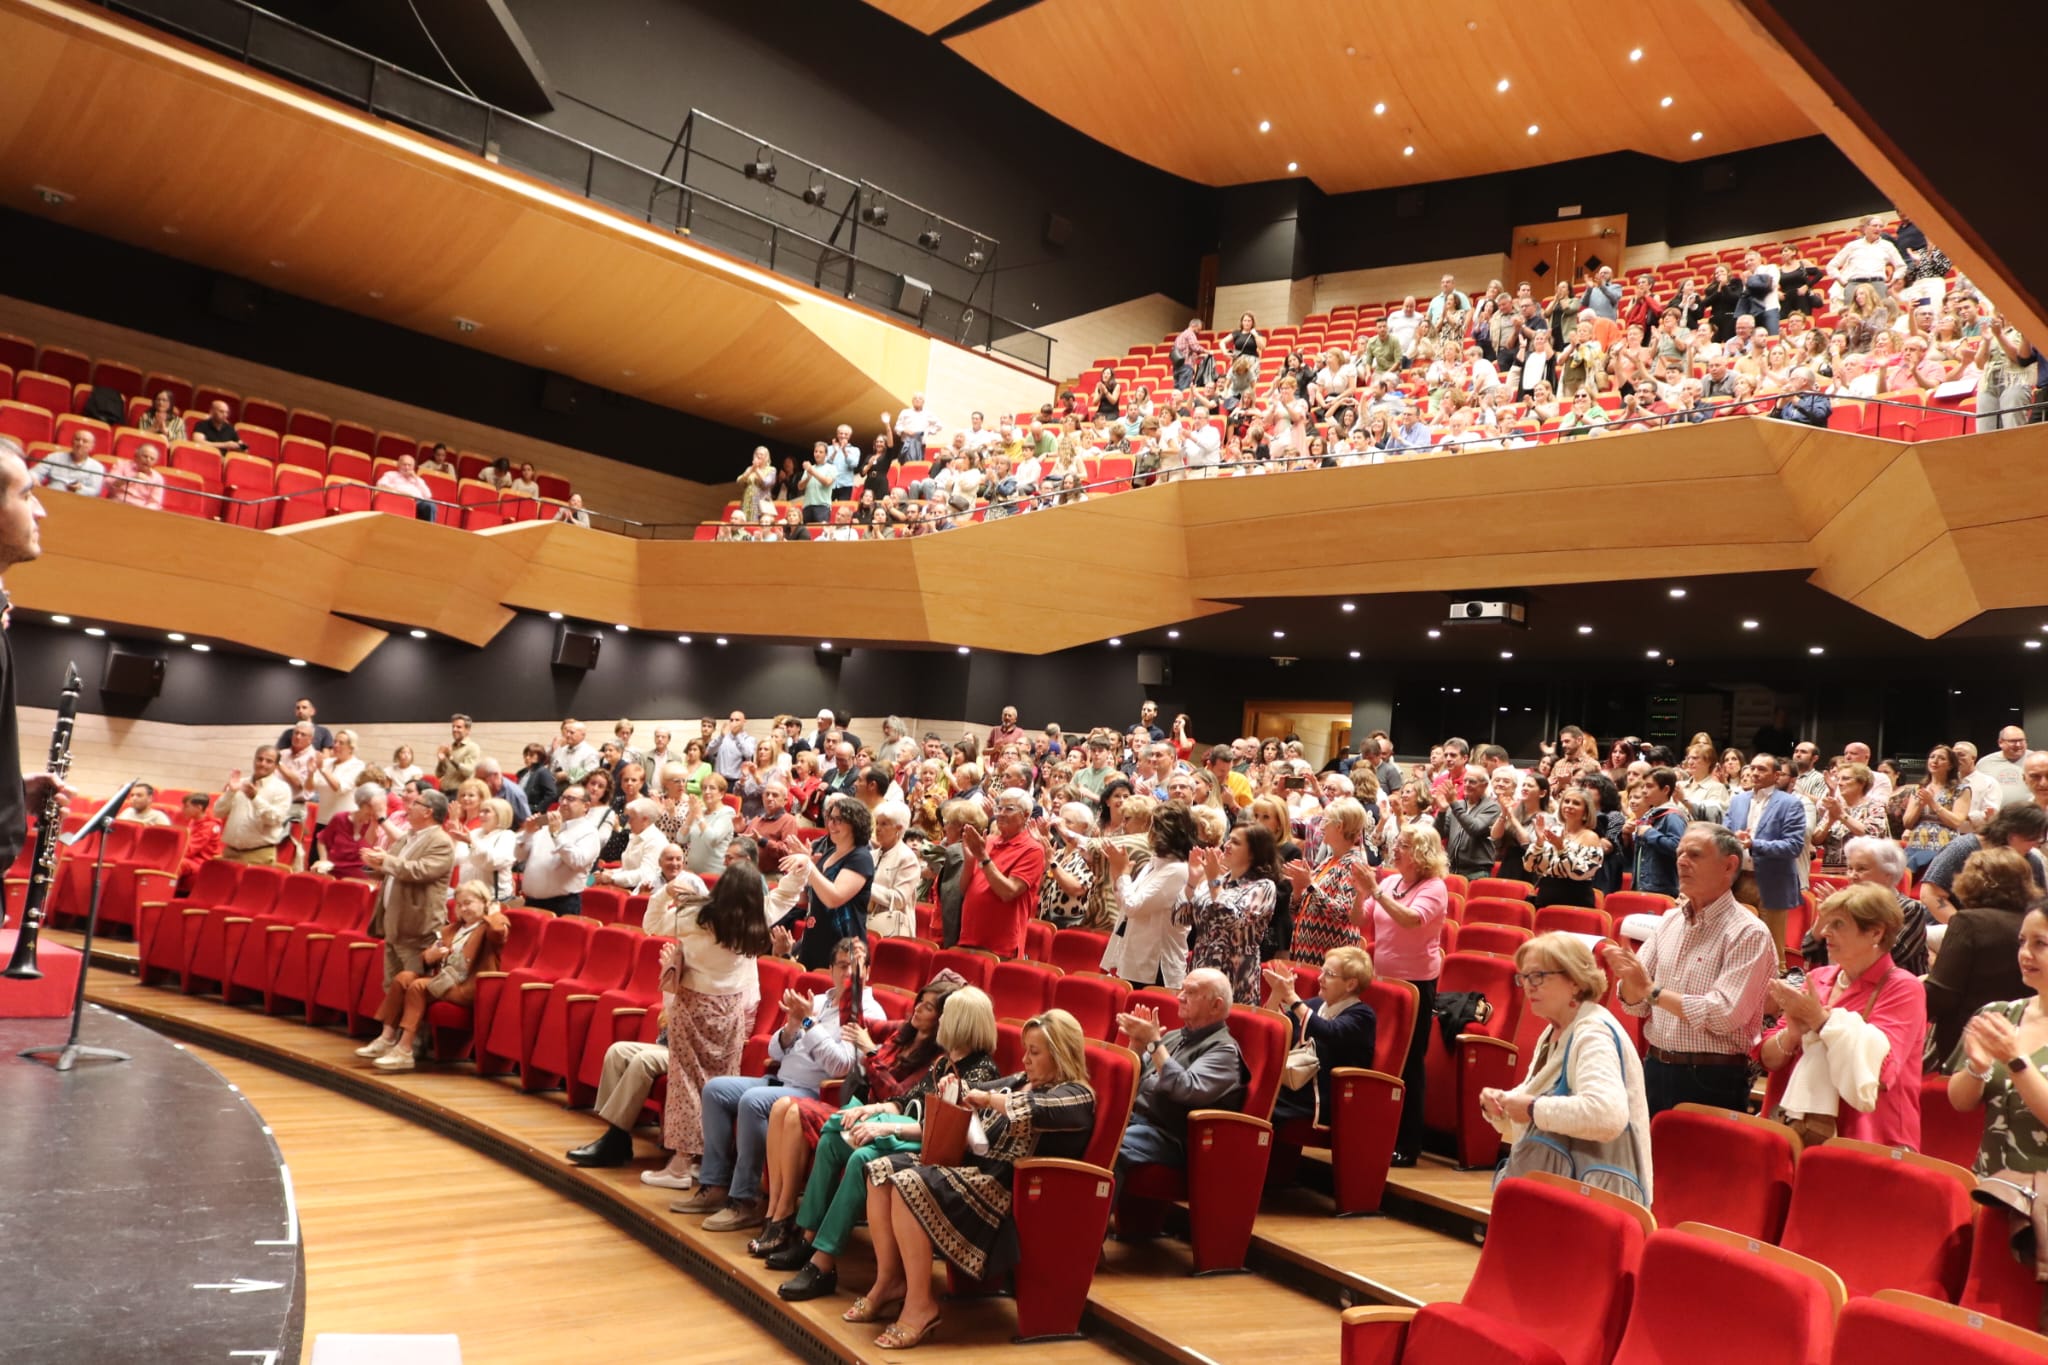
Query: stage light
[
  {"x": 876, "y": 213},
  {"x": 1265, "y": 125},
  {"x": 760, "y": 168},
  {"x": 1533, "y": 130},
  {"x": 1635, "y": 54},
  {"x": 175, "y": 638},
  {"x": 1502, "y": 85},
  {"x": 1751, "y": 625},
  {"x": 1293, "y": 165},
  {"x": 814, "y": 195},
  {"x": 1380, "y": 108},
  {"x": 1355, "y": 654},
  {"x": 1435, "y": 634},
  {"x": 1408, "y": 151},
  {"x": 1585, "y": 630},
  {"x": 976, "y": 257},
  {"x": 929, "y": 238}
]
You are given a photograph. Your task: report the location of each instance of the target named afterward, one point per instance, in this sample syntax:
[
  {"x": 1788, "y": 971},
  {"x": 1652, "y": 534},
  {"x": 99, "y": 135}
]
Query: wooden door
[{"x": 1544, "y": 253}]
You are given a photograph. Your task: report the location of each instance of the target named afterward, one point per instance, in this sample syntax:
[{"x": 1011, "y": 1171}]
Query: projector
[{"x": 1487, "y": 614}]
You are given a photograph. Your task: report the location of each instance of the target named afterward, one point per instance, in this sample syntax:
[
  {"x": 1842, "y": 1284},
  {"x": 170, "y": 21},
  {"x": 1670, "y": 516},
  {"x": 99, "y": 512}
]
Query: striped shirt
[{"x": 1719, "y": 960}]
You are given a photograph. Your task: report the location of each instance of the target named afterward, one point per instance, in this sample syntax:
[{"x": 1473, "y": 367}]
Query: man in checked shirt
[{"x": 1700, "y": 979}]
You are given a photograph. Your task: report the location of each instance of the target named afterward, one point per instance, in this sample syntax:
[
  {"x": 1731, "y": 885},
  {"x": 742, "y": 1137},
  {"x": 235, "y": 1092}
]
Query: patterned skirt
[
  {"x": 965, "y": 1210},
  {"x": 706, "y": 1035}
]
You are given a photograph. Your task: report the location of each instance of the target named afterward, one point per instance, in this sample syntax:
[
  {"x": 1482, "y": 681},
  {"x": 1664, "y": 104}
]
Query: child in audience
[{"x": 468, "y": 944}]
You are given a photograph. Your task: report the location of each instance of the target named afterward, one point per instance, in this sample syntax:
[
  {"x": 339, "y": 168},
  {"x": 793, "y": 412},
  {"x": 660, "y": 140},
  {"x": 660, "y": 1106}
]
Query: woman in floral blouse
[
  {"x": 1565, "y": 853},
  {"x": 1229, "y": 900},
  {"x": 1937, "y": 811},
  {"x": 1325, "y": 896},
  {"x": 1846, "y": 813}
]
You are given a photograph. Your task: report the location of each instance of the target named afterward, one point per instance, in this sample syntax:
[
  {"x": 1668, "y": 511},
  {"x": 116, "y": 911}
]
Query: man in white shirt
[
  {"x": 1856, "y": 751},
  {"x": 977, "y": 437},
  {"x": 1403, "y": 323},
  {"x": 2003, "y": 767},
  {"x": 71, "y": 471},
  {"x": 558, "y": 849},
  {"x": 572, "y": 755},
  {"x": 297, "y": 765},
  {"x": 639, "y": 866},
  {"x": 1985, "y": 793},
  {"x": 253, "y": 813},
  {"x": 139, "y": 810},
  {"x": 914, "y": 427},
  {"x": 1201, "y": 445}
]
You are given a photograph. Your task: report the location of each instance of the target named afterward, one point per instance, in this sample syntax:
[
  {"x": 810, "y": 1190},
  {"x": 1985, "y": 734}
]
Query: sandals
[
  {"x": 864, "y": 1311},
  {"x": 901, "y": 1338}
]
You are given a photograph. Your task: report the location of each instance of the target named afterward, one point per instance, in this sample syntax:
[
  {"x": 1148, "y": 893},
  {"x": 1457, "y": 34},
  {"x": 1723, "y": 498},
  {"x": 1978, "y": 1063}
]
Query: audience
[
  {"x": 1150, "y": 943},
  {"x": 412, "y": 906},
  {"x": 1876, "y": 861},
  {"x": 1196, "y": 1066},
  {"x": 837, "y": 876},
  {"x": 1001, "y": 875},
  {"x": 1336, "y": 1020},
  {"x": 253, "y": 812},
  {"x": 1405, "y": 914},
  {"x": 1228, "y": 905},
  {"x": 466, "y": 944},
  {"x": 1975, "y": 965}
]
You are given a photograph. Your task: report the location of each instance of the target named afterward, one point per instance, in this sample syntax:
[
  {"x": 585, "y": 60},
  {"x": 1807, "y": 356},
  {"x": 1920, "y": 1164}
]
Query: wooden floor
[
  {"x": 1143, "y": 1301},
  {"x": 389, "y": 1247}
]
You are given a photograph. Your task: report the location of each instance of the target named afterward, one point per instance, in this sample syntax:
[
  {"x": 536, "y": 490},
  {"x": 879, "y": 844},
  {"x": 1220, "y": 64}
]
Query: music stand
[{"x": 67, "y": 1053}]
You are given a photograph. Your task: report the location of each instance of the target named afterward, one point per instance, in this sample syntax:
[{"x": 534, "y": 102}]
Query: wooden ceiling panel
[
  {"x": 1186, "y": 89},
  {"x": 927, "y": 16}
]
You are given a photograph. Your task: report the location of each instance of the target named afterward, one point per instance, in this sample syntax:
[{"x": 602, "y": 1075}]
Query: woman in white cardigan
[
  {"x": 892, "y": 892},
  {"x": 1584, "y": 1091},
  {"x": 1148, "y": 947}
]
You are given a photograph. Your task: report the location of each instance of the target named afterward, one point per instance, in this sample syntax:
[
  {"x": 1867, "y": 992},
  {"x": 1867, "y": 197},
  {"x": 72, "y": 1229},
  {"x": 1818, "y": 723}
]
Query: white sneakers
[
  {"x": 399, "y": 1060},
  {"x": 377, "y": 1047},
  {"x": 661, "y": 1179}
]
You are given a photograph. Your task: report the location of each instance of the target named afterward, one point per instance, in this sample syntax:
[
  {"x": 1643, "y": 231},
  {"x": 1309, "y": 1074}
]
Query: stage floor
[{"x": 145, "y": 1213}]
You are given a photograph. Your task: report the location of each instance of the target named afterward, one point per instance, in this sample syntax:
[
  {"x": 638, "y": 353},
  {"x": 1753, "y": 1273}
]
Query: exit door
[{"x": 1544, "y": 253}]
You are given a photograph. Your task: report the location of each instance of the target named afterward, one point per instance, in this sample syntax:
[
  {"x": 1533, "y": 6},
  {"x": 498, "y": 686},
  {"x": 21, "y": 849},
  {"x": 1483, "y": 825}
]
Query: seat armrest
[
  {"x": 628, "y": 1011},
  {"x": 1374, "y": 1335},
  {"x": 539, "y": 986},
  {"x": 579, "y": 999},
  {"x": 489, "y": 976}
]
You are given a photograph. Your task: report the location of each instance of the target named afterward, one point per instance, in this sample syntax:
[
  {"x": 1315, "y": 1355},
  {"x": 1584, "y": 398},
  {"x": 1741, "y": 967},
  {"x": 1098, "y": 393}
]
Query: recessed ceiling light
[
  {"x": 1380, "y": 108},
  {"x": 1173, "y": 635},
  {"x": 825, "y": 644},
  {"x": 1355, "y": 654},
  {"x": 721, "y": 639},
  {"x": 1751, "y": 625},
  {"x": 2045, "y": 627},
  {"x": 1457, "y": 689},
  {"x": 1435, "y": 634},
  {"x": 60, "y": 620},
  {"x": 1507, "y": 654},
  {"x": 203, "y": 649},
  {"x": 620, "y": 628},
  {"x": 1408, "y": 151},
  {"x": 1816, "y": 649},
  {"x": 1635, "y": 54},
  {"x": 1678, "y": 592},
  {"x": 1294, "y": 165},
  {"x": 1652, "y": 653},
  {"x": 2030, "y": 644},
  {"x": 1502, "y": 85},
  {"x": 1664, "y": 103},
  {"x": 963, "y": 649},
  {"x": 1279, "y": 634},
  {"x": 1533, "y": 130},
  {"x": 296, "y": 663},
  {"x": 1697, "y": 135},
  {"x": 1237, "y": 71},
  {"x": 95, "y": 630},
  {"x": 682, "y": 639},
  {"x": 175, "y": 638},
  {"x": 554, "y": 616},
  {"x": 170, "y": 229},
  {"x": 1116, "y": 639},
  {"x": 1353, "y": 606},
  {"x": 1585, "y": 630},
  {"x": 629, "y": 373},
  {"x": 1265, "y": 125},
  {"x": 376, "y": 293},
  {"x": 1503, "y": 710},
  {"x": 277, "y": 265},
  {"x": 419, "y": 634},
  {"x": 1351, "y": 52}
]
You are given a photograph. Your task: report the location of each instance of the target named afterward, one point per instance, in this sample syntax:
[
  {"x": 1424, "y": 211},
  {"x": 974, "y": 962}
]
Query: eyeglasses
[{"x": 1531, "y": 980}]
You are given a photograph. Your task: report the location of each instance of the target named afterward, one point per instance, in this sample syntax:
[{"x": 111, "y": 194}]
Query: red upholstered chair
[
  {"x": 1488, "y": 937},
  {"x": 298, "y": 900},
  {"x": 1166, "y": 1002},
  {"x": 160, "y": 924},
  {"x": 17, "y": 352},
  {"x": 977, "y": 967},
  {"x": 1623, "y": 903},
  {"x": 213, "y": 934},
  {"x": 896, "y": 1002},
  {"x": 345, "y": 908},
  {"x": 1505, "y": 887},
  {"x": 1998, "y": 1283},
  {"x": 904, "y": 963},
  {"x": 391, "y": 444},
  {"x": 1499, "y": 910},
  {"x": 1484, "y": 1055},
  {"x": 1078, "y": 950},
  {"x": 349, "y": 464},
  {"x": 620, "y": 1015},
  {"x": 28, "y": 423},
  {"x": 1915, "y": 1237},
  {"x": 605, "y": 904},
  {"x": 248, "y": 479},
  {"x": 147, "y": 870},
  {"x": 1227, "y": 1152},
  {"x": 205, "y": 395},
  {"x": 314, "y": 426},
  {"x": 1093, "y": 1000},
  {"x": 1897, "y": 1328},
  {"x": 51, "y": 393},
  {"x": 1365, "y": 1105},
  {"x": 1716, "y": 1166},
  {"x": 1944, "y": 1132},
  {"x": 776, "y": 975},
  {"x": 71, "y": 884},
  {"x": 1573, "y": 919},
  {"x": 1554, "y": 1285},
  {"x": 508, "y": 1013},
  {"x": 1009, "y": 1053},
  {"x": 1020, "y": 990},
  {"x": 569, "y": 1007},
  {"x": 302, "y": 495},
  {"x": 1038, "y": 937},
  {"x": 1708, "y": 1297},
  {"x": 126, "y": 380},
  {"x": 352, "y": 434}
]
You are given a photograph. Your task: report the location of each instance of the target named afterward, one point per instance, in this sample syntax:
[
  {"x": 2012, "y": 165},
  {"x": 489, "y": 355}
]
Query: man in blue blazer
[{"x": 1771, "y": 826}]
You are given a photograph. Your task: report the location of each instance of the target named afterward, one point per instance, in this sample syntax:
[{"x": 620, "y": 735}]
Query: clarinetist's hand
[{"x": 40, "y": 787}]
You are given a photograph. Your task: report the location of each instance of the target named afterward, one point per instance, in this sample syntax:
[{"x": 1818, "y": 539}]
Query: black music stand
[{"x": 66, "y": 1054}]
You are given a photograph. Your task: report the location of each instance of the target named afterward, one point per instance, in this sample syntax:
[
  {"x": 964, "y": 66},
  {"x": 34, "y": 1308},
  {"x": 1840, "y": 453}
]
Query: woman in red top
[{"x": 345, "y": 837}]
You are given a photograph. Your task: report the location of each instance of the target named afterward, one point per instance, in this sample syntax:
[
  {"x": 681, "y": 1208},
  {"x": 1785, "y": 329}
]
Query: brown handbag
[{"x": 944, "y": 1133}]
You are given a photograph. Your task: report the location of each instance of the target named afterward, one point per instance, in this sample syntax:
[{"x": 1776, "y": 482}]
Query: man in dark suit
[{"x": 1770, "y": 824}]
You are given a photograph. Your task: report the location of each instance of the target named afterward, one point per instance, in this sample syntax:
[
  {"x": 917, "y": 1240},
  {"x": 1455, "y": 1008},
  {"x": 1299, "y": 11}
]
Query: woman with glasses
[
  {"x": 1595, "y": 1119},
  {"x": 1325, "y": 898},
  {"x": 838, "y": 872}
]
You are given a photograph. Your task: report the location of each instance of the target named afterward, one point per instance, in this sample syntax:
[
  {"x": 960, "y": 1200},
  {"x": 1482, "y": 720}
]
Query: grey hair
[
  {"x": 368, "y": 792},
  {"x": 1213, "y": 979},
  {"x": 1886, "y": 853},
  {"x": 437, "y": 803},
  {"x": 895, "y": 812},
  {"x": 645, "y": 807},
  {"x": 1725, "y": 842},
  {"x": 1079, "y": 810}
]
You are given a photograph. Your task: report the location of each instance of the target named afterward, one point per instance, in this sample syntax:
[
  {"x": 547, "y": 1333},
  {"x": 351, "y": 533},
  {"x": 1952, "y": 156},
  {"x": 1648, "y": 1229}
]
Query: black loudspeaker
[
  {"x": 1410, "y": 203},
  {"x": 1058, "y": 229},
  {"x": 1154, "y": 669},
  {"x": 912, "y": 296},
  {"x": 1718, "y": 177},
  {"x": 559, "y": 393},
  {"x": 233, "y": 299},
  {"x": 132, "y": 675},
  {"x": 576, "y": 648}
]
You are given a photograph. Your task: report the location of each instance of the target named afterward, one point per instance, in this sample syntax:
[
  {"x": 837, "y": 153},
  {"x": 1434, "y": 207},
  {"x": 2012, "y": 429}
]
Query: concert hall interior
[{"x": 1401, "y": 715}]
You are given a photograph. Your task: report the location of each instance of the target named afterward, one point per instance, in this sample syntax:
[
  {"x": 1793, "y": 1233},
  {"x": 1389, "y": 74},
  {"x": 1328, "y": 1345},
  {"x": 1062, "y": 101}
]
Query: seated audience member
[
  {"x": 892, "y": 894},
  {"x": 345, "y": 838},
  {"x": 2020, "y": 826},
  {"x": 137, "y": 481},
  {"x": 498, "y": 475},
  {"x": 882, "y": 1070},
  {"x": 73, "y": 470},
  {"x": 162, "y": 419},
  {"x": 1149, "y": 948},
  {"x": 835, "y": 878},
  {"x": 1001, "y": 877},
  {"x": 1802, "y": 402},
  {"x": 254, "y": 811},
  {"x": 776, "y": 831},
  {"x": 1196, "y": 1066},
  {"x": 488, "y": 852},
  {"x": 139, "y": 808},
  {"x": 406, "y": 479},
  {"x": 1584, "y": 1073},
  {"x": 1338, "y": 1021},
  {"x": 467, "y": 944},
  {"x": 439, "y": 461},
  {"x": 1853, "y": 1034},
  {"x": 558, "y": 849},
  {"x": 1997, "y": 1063},
  {"x": 730, "y": 1119},
  {"x": 836, "y": 1193},
  {"x": 639, "y": 866},
  {"x": 572, "y": 511},
  {"x": 1325, "y": 898},
  {"x": 963, "y": 1212},
  {"x": 413, "y": 904},
  {"x": 202, "y": 838},
  {"x": 217, "y": 431},
  {"x": 1976, "y": 965},
  {"x": 1876, "y": 861}
]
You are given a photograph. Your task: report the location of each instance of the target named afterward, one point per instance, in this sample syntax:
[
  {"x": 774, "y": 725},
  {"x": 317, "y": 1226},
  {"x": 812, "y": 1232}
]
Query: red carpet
[{"x": 49, "y": 998}]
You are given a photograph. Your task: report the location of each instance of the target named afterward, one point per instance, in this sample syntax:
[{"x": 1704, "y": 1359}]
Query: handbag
[
  {"x": 1301, "y": 1066},
  {"x": 2019, "y": 1194},
  {"x": 944, "y": 1141},
  {"x": 1590, "y": 1163}
]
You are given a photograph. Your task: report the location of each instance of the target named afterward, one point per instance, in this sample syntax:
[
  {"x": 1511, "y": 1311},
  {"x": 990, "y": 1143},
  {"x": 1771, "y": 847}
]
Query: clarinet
[{"x": 22, "y": 966}]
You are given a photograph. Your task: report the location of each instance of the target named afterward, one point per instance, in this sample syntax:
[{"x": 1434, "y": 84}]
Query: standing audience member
[
  {"x": 413, "y": 904},
  {"x": 1976, "y": 965},
  {"x": 254, "y": 811},
  {"x": 1002, "y": 877},
  {"x": 837, "y": 875},
  {"x": 1770, "y": 825},
  {"x": 1653, "y": 835},
  {"x": 1325, "y": 903},
  {"x": 1228, "y": 904},
  {"x": 455, "y": 762},
  {"x": 558, "y": 849},
  {"x": 1465, "y": 823},
  {"x": 1406, "y": 914},
  {"x": 1148, "y": 948}
]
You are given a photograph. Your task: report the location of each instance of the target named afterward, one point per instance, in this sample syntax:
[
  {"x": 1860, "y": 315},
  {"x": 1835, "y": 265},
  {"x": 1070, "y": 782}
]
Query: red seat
[
  {"x": 1021, "y": 990},
  {"x": 1555, "y": 1283},
  {"x": 1227, "y": 1152},
  {"x": 1998, "y": 1282},
  {"x": 345, "y": 908},
  {"x": 1038, "y": 939},
  {"x": 160, "y": 924},
  {"x": 1575, "y": 919},
  {"x": 605, "y": 904},
  {"x": 1506, "y": 888},
  {"x": 1078, "y": 950},
  {"x": 1488, "y": 937},
  {"x": 1946, "y": 1133},
  {"x": 262, "y": 441},
  {"x": 346, "y": 495},
  {"x": 348, "y": 464},
  {"x": 553, "y": 487},
  {"x": 145, "y": 868},
  {"x": 17, "y": 352},
  {"x": 302, "y": 494},
  {"x": 206, "y": 395},
  {"x": 977, "y": 967},
  {"x": 391, "y": 444},
  {"x": 1896, "y": 1328},
  {"x": 314, "y": 426},
  {"x": 298, "y": 900},
  {"x": 352, "y": 434},
  {"x": 1720, "y": 1167},
  {"x": 1499, "y": 910},
  {"x": 214, "y": 934},
  {"x": 74, "y": 367},
  {"x": 185, "y": 494},
  {"x": 1094, "y": 1001},
  {"x": 1483, "y": 1056},
  {"x": 1365, "y": 1104},
  {"x": 628, "y": 1013},
  {"x": 509, "y": 1004},
  {"x": 304, "y": 454},
  {"x": 1706, "y": 1300},
  {"x": 904, "y": 963},
  {"x": 1619, "y": 904},
  {"x": 28, "y": 423},
  {"x": 776, "y": 975},
  {"x": 1163, "y": 1002},
  {"x": 126, "y": 380},
  {"x": 1915, "y": 1237},
  {"x": 248, "y": 480},
  {"x": 568, "y": 1008},
  {"x": 393, "y": 503},
  {"x": 45, "y": 391}
]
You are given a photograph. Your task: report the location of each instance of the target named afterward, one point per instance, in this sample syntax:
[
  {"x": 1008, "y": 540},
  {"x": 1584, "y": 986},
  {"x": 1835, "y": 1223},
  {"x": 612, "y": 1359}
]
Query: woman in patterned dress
[
  {"x": 1565, "y": 853},
  {"x": 1937, "y": 811},
  {"x": 963, "y": 1212},
  {"x": 1070, "y": 871},
  {"x": 1228, "y": 903},
  {"x": 1325, "y": 897},
  {"x": 709, "y": 1011}
]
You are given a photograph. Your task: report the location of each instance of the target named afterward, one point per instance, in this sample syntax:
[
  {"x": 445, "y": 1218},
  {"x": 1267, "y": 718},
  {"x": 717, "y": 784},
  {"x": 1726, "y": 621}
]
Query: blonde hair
[
  {"x": 1138, "y": 812},
  {"x": 967, "y": 1022},
  {"x": 1868, "y": 906},
  {"x": 1349, "y": 815},
  {"x": 500, "y": 811},
  {"x": 477, "y": 891},
  {"x": 1352, "y": 963},
  {"x": 473, "y": 787},
  {"x": 1567, "y": 953},
  {"x": 1211, "y": 825},
  {"x": 1428, "y": 847},
  {"x": 1067, "y": 1043},
  {"x": 1277, "y": 809}
]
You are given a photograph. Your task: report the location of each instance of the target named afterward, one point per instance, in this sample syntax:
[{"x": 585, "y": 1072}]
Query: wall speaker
[
  {"x": 132, "y": 675},
  {"x": 1155, "y": 669},
  {"x": 1058, "y": 229},
  {"x": 559, "y": 393},
  {"x": 575, "y": 648},
  {"x": 912, "y": 296}
]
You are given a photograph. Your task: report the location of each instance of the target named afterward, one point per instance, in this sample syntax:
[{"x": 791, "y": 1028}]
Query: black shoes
[
  {"x": 774, "y": 1237},
  {"x": 614, "y": 1148},
  {"x": 809, "y": 1283},
  {"x": 791, "y": 1254},
  {"x": 1403, "y": 1159}
]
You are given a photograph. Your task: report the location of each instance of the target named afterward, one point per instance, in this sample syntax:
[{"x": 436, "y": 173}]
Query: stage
[{"x": 145, "y": 1213}]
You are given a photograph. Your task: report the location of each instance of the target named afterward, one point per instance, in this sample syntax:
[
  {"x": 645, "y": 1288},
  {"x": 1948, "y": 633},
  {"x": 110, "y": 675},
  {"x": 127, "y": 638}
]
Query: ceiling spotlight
[
  {"x": 97, "y": 631},
  {"x": 1380, "y": 108},
  {"x": 1635, "y": 54},
  {"x": 1751, "y": 625},
  {"x": 203, "y": 649},
  {"x": 1585, "y": 630},
  {"x": 2030, "y": 644},
  {"x": 1697, "y": 136},
  {"x": 620, "y": 629},
  {"x": 1678, "y": 592},
  {"x": 825, "y": 645},
  {"x": 1294, "y": 165},
  {"x": 1408, "y": 151},
  {"x": 963, "y": 649},
  {"x": 976, "y": 257},
  {"x": 1279, "y": 634},
  {"x": 1355, "y": 654},
  {"x": 1457, "y": 689},
  {"x": 56, "y": 199},
  {"x": 1664, "y": 103},
  {"x": 1116, "y": 639},
  {"x": 418, "y": 634},
  {"x": 814, "y": 195},
  {"x": 760, "y": 168},
  {"x": 1434, "y": 634},
  {"x": 1350, "y": 606},
  {"x": 175, "y": 638},
  {"x": 1816, "y": 649},
  {"x": 1533, "y": 130},
  {"x": 296, "y": 663},
  {"x": 682, "y": 639},
  {"x": 929, "y": 238},
  {"x": 1173, "y": 635},
  {"x": 876, "y": 213},
  {"x": 60, "y": 620},
  {"x": 1652, "y": 653},
  {"x": 721, "y": 639},
  {"x": 1501, "y": 85},
  {"x": 1265, "y": 125},
  {"x": 1507, "y": 654},
  {"x": 554, "y": 616}
]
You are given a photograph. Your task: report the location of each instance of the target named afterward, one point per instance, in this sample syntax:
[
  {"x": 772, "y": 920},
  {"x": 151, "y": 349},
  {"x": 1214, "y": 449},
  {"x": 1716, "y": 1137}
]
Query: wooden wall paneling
[
  {"x": 1990, "y": 478},
  {"x": 391, "y": 568},
  {"x": 1821, "y": 472},
  {"x": 1893, "y": 518},
  {"x": 1928, "y": 591}
]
